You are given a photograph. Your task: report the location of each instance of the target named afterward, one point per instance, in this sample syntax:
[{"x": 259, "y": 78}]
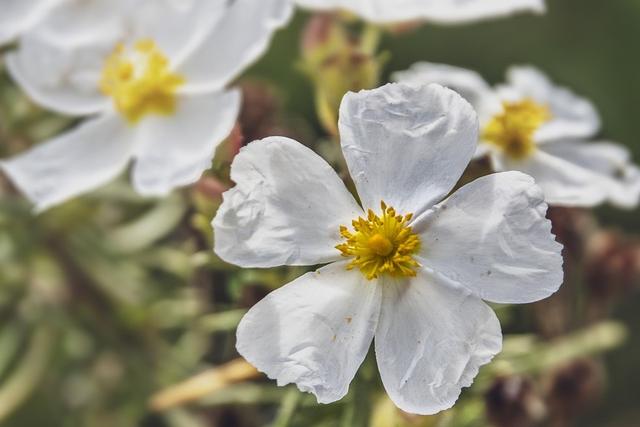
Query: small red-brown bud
[
  {"x": 514, "y": 402},
  {"x": 572, "y": 388}
]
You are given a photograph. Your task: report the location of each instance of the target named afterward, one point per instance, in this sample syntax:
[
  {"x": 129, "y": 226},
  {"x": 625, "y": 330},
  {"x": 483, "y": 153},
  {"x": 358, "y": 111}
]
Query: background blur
[{"x": 114, "y": 311}]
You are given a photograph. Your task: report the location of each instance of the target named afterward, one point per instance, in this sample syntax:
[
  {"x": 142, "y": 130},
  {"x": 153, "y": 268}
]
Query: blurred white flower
[
  {"x": 407, "y": 268},
  {"x": 152, "y": 76},
  {"x": 530, "y": 125},
  {"x": 19, "y": 16},
  {"x": 441, "y": 11}
]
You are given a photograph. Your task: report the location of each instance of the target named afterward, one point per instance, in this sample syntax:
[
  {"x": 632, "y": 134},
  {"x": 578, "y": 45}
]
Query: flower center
[
  {"x": 382, "y": 244},
  {"x": 140, "y": 81},
  {"x": 513, "y": 129}
]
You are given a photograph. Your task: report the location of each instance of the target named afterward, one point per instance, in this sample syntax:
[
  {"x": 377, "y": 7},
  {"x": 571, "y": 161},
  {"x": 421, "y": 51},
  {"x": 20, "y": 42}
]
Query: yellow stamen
[
  {"x": 382, "y": 244},
  {"x": 513, "y": 129},
  {"x": 140, "y": 81}
]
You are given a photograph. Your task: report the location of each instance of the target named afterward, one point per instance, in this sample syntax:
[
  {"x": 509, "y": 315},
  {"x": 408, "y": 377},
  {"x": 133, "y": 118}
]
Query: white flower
[
  {"x": 19, "y": 16},
  {"x": 406, "y": 267},
  {"x": 530, "y": 125},
  {"x": 152, "y": 76},
  {"x": 442, "y": 11}
]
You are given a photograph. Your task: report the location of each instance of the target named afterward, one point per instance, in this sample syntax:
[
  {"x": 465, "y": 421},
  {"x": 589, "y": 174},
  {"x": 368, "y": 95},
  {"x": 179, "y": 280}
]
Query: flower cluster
[{"x": 149, "y": 78}]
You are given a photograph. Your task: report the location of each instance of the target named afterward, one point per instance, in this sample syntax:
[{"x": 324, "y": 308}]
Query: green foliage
[{"x": 110, "y": 298}]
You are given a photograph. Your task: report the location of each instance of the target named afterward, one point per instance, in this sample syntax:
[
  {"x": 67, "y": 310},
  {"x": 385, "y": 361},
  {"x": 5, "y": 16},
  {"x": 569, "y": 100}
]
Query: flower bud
[
  {"x": 337, "y": 62},
  {"x": 514, "y": 402},
  {"x": 260, "y": 108},
  {"x": 261, "y": 114},
  {"x": 611, "y": 269},
  {"x": 571, "y": 388},
  {"x": 572, "y": 227}
]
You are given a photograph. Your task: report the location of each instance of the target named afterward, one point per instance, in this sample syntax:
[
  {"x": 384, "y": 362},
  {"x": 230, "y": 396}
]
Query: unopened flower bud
[
  {"x": 259, "y": 109},
  {"x": 261, "y": 114},
  {"x": 337, "y": 62},
  {"x": 573, "y": 387},
  {"x": 317, "y": 32},
  {"x": 572, "y": 227},
  {"x": 210, "y": 187},
  {"x": 612, "y": 268},
  {"x": 514, "y": 402}
]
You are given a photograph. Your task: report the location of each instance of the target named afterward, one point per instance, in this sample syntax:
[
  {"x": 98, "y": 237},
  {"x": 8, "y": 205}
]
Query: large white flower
[
  {"x": 407, "y": 267},
  {"x": 442, "y": 11},
  {"x": 151, "y": 73},
  {"x": 530, "y": 125}
]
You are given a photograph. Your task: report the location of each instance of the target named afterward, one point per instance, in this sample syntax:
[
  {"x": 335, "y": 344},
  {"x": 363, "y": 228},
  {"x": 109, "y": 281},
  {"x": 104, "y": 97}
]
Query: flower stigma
[
  {"x": 382, "y": 244},
  {"x": 513, "y": 129},
  {"x": 140, "y": 81}
]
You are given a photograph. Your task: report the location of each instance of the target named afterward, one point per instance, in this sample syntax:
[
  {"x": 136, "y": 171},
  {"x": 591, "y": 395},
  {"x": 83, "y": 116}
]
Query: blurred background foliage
[{"x": 114, "y": 311}]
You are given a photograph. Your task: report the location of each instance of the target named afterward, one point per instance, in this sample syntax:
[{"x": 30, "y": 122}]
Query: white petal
[
  {"x": 73, "y": 163},
  {"x": 467, "y": 83},
  {"x": 406, "y": 145},
  {"x": 461, "y": 11},
  {"x": 176, "y": 26},
  {"x": 443, "y": 11},
  {"x": 70, "y": 83},
  {"x": 491, "y": 237},
  {"x": 174, "y": 150},
  {"x": 19, "y": 16},
  {"x": 240, "y": 38},
  {"x": 563, "y": 183},
  {"x": 572, "y": 116},
  {"x": 286, "y": 208},
  {"x": 618, "y": 176},
  {"x": 319, "y": 4},
  {"x": 74, "y": 22},
  {"x": 431, "y": 341},
  {"x": 313, "y": 332}
]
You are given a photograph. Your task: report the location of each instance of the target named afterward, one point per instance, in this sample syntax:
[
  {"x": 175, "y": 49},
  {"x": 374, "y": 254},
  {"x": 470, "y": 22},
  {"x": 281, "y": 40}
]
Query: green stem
[
  {"x": 370, "y": 40},
  {"x": 287, "y": 408},
  {"x": 26, "y": 377}
]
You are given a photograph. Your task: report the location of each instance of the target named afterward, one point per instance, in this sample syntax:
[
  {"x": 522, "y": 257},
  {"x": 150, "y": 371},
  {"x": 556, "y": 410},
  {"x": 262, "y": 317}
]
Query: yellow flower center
[
  {"x": 140, "y": 81},
  {"x": 513, "y": 129},
  {"x": 381, "y": 244}
]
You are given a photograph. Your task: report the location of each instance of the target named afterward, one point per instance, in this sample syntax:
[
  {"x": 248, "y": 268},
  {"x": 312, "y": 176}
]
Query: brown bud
[
  {"x": 572, "y": 227},
  {"x": 612, "y": 266},
  {"x": 317, "y": 31},
  {"x": 261, "y": 114},
  {"x": 514, "y": 402},
  {"x": 252, "y": 294},
  {"x": 571, "y": 388},
  {"x": 210, "y": 187},
  {"x": 236, "y": 140},
  {"x": 260, "y": 108}
]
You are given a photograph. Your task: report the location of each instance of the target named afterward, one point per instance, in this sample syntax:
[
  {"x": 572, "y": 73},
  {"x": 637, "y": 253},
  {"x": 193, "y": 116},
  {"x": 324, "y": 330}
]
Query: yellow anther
[
  {"x": 382, "y": 244},
  {"x": 140, "y": 81},
  {"x": 513, "y": 129}
]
